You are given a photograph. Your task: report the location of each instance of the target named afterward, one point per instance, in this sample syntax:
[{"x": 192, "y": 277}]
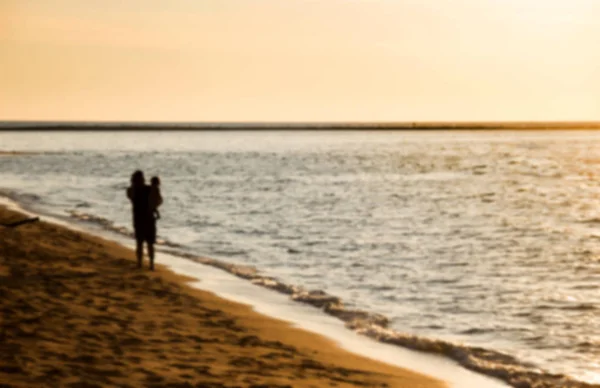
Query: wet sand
[{"x": 76, "y": 312}]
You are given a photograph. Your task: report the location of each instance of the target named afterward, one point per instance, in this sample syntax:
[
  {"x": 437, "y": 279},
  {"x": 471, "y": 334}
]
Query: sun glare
[
  {"x": 301, "y": 60},
  {"x": 548, "y": 12}
]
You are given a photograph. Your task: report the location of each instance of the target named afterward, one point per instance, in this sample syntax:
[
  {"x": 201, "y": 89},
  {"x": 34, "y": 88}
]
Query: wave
[
  {"x": 22, "y": 198},
  {"x": 475, "y": 330},
  {"x": 485, "y": 361},
  {"x": 571, "y": 307},
  {"x": 110, "y": 226}
]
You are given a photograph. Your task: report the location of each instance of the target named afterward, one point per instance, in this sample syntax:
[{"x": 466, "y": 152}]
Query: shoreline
[
  {"x": 89, "y": 317},
  {"x": 427, "y": 357},
  {"x": 226, "y": 281},
  {"x": 495, "y": 369},
  {"x": 229, "y": 281}
]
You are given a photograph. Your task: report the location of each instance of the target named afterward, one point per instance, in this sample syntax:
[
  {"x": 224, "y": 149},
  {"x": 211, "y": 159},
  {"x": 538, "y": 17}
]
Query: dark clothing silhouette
[{"x": 144, "y": 222}]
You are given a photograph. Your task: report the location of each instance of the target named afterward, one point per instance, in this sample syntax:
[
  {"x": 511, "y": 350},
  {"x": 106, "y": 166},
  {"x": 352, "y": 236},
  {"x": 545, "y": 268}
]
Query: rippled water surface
[{"x": 487, "y": 238}]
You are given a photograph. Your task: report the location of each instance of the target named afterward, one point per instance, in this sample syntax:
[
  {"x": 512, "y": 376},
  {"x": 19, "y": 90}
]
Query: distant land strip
[{"x": 235, "y": 126}]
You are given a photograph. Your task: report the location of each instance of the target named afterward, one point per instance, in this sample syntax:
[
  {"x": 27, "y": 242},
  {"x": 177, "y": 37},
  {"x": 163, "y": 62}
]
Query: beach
[
  {"x": 380, "y": 242},
  {"x": 77, "y": 312},
  {"x": 351, "y": 193}
]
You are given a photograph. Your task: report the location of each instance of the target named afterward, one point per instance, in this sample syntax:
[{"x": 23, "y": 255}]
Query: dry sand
[{"x": 76, "y": 312}]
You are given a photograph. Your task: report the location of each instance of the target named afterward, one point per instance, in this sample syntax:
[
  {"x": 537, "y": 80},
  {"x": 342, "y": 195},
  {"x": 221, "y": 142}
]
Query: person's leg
[
  {"x": 139, "y": 252},
  {"x": 151, "y": 255},
  {"x": 151, "y": 239}
]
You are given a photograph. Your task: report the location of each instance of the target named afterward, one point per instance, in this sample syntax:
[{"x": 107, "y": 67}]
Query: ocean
[{"x": 480, "y": 245}]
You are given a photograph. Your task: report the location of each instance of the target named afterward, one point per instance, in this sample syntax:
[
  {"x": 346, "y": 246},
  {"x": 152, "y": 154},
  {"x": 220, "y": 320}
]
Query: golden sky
[{"x": 300, "y": 60}]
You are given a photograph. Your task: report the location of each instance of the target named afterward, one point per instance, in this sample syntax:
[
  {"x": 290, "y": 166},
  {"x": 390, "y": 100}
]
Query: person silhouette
[
  {"x": 155, "y": 196},
  {"x": 144, "y": 224}
]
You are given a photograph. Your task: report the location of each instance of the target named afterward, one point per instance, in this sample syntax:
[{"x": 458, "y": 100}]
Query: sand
[{"x": 76, "y": 312}]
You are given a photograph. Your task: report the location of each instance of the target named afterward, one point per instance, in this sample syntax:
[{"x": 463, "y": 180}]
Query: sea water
[{"x": 487, "y": 243}]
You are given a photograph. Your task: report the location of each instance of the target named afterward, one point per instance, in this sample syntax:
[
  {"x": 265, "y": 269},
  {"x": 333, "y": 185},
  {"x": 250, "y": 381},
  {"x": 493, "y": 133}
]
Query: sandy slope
[{"x": 76, "y": 312}]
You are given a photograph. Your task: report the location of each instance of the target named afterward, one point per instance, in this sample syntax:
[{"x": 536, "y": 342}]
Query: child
[{"x": 155, "y": 197}]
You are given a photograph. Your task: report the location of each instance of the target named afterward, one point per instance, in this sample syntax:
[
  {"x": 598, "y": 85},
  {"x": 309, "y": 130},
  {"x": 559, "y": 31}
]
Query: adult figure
[{"x": 144, "y": 224}]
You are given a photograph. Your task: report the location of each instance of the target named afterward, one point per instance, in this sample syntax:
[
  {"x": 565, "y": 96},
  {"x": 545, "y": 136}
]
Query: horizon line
[
  {"x": 300, "y": 123},
  {"x": 293, "y": 125}
]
